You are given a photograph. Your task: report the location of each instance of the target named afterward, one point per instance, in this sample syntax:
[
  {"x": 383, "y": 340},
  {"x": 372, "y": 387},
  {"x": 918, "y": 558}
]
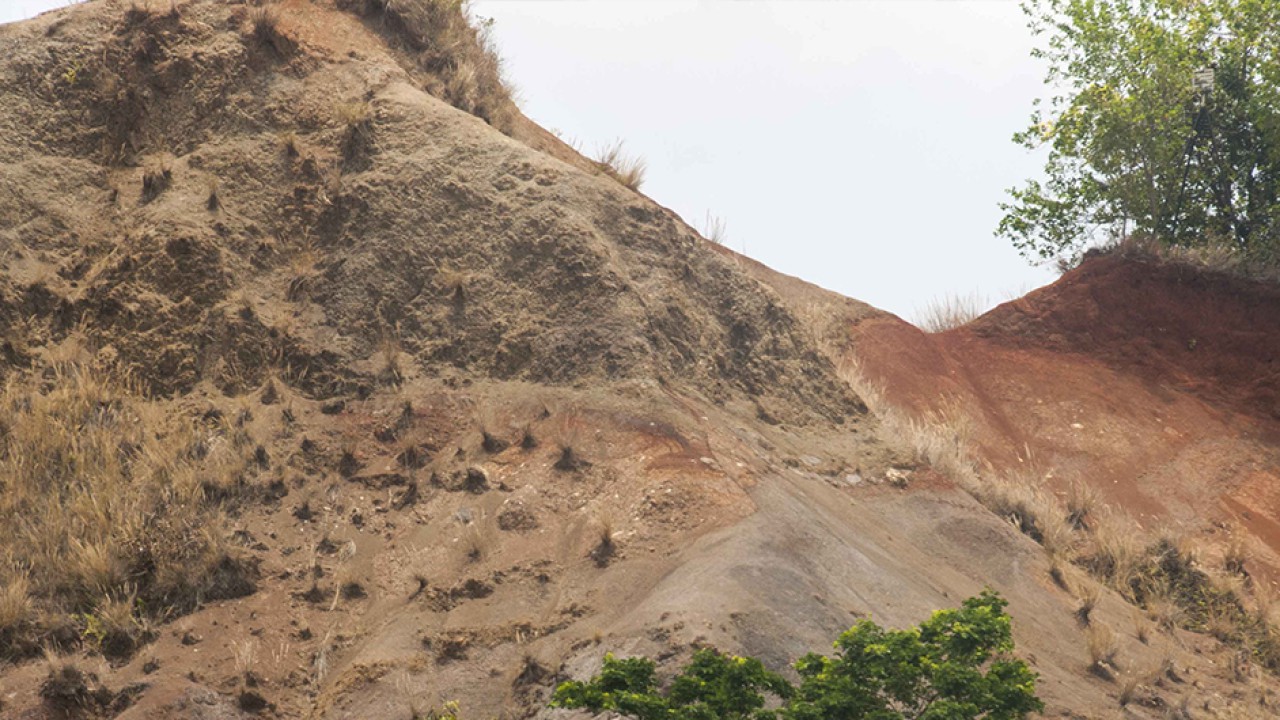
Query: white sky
[{"x": 860, "y": 145}]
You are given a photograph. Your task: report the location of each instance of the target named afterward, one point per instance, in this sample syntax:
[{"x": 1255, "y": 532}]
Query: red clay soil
[{"x": 1157, "y": 383}]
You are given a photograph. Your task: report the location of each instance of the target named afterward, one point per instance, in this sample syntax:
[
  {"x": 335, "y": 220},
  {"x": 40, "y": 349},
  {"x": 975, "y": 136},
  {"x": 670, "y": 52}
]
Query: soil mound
[
  {"x": 214, "y": 193},
  {"x": 1209, "y": 333}
]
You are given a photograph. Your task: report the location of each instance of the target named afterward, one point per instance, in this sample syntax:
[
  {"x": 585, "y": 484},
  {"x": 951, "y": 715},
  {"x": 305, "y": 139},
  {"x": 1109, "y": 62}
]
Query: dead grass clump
[
  {"x": 1089, "y": 598},
  {"x": 569, "y": 459},
  {"x": 1142, "y": 628},
  {"x": 357, "y": 139},
  {"x": 1117, "y": 554},
  {"x": 566, "y": 433},
  {"x": 950, "y": 312},
  {"x": 453, "y": 48},
  {"x": 453, "y": 283},
  {"x": 1162, "y": 609},
  {"x": 614, "y": 162},
  {"x": 528, "y": 441},
  {"x": 1036, "y": 512},
  {"x": 1130, "y": 684},
  {"x": 69, "y": 691},
  {"x": 1100, "y": 642},
  {"x": 1235, "y": 556},
  {"x": 473, "y": 541},
  {"x": 1082, "y": 502},
  {"x": 264, "y": 29},
  {"x": 156, "y": 178},
  {"x": 606, "y": 547},
  {"x": 714, "y": 229},
  {"x": 389, "y": 349},
  {"x": 104, "y": 523},
  {"x": 212, "y": 202},
  {"x": 1059, "y": 569},
  {"x": 491, "y": 443},
  {"x": 290, "y": 143}
]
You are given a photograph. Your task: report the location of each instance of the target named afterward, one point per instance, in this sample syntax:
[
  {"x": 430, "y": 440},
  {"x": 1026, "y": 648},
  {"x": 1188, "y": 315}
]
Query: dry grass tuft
[
  {"x": 453, "y": 48},
  {"x": 1089, "y": 598},
  {"x": 104, "y": 520},
  {"x": 156, "y": 178},
  {"x": 950, "y": 312},
  {"x": 714, "y": 229},
  {"x": 289, "y": 141},
  {"x": 606, "y": 547},
  {"x": 264, "y": 28},
  {"x": 1236, "y": 556},
  {"x": 615, "y": 163},
  {"x": 1100, "y": 642},
  {"x": 213, "y": 201},
  {"x": 1131, "y": 683},
  {"x": 357, "y": 139},
  {"x": 1082, "y": 502}
]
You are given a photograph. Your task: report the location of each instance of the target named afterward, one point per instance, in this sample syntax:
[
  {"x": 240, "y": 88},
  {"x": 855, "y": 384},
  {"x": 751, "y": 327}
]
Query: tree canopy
[
  {"x": 1164, "y": 121},
  {"x": 957, "y": 665}
]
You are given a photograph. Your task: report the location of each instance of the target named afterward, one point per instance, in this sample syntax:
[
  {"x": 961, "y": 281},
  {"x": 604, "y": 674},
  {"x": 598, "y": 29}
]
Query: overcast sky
[{"x": 862, "y": 146}]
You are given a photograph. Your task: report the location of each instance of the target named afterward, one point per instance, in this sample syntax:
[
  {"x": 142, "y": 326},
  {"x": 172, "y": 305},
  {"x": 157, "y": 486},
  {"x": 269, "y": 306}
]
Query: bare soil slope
[
  {"x": 492, "y": 413},
  {"x": 1153, "y": 382}
]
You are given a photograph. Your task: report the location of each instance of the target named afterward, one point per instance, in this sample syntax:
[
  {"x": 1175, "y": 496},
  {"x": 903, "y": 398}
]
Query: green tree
[
  {"x": 712, "y": 687},
  {"x": 1165, "y": 121},
  {"x": 955, "y": 666}
]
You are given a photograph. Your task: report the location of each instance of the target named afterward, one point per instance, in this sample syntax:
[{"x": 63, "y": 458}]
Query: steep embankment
[
  {"x": 1155, "y": 383},
  {"x": 467, "y": 412}
]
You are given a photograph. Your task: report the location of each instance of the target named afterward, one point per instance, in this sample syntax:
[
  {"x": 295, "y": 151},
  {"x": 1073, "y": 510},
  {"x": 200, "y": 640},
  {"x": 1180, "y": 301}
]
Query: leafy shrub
[{"x": 955, "y": 666}]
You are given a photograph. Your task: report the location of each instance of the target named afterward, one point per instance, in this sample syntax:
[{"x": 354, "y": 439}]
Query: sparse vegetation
[
  {"x": 289, "y": 141},
  {"x": 950, "y": 312},
  {"x": 357, "y": 121},
  {"x": 613, "y": 161},
  {"x": 1159, "y": 575},
  {"x": 1088, "y": 601},
  {"x": 212, "y": 201},
  {"x": 1101, "y": 644},
  {"x": 156, "y": 178},
  {"x": 126, "y": 532},
  {"x": 606, "y": 547},
  {"x": 454, "y": 50},
  {"x": 264, "y": 28},
  {"x": 714, "y": 229}
]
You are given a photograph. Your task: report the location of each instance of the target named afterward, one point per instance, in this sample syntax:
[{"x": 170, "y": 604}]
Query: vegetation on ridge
[{"x": 1163, "y": 125}]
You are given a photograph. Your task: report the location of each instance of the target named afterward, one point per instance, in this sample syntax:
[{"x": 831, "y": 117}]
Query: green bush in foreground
[{"x": 955, "y": 666}]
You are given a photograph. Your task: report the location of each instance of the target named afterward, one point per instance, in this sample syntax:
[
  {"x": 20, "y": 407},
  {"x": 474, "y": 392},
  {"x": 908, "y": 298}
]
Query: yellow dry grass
[
  {"x": 104, "y": 522},
  {"x": 614, "y": 162},
  {"x": 455, "y": 49},
  {"x": 949, "y": 312}
]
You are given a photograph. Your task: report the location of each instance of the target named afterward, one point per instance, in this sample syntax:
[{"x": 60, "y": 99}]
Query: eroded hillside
[{"x": 448, "y": 412}]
